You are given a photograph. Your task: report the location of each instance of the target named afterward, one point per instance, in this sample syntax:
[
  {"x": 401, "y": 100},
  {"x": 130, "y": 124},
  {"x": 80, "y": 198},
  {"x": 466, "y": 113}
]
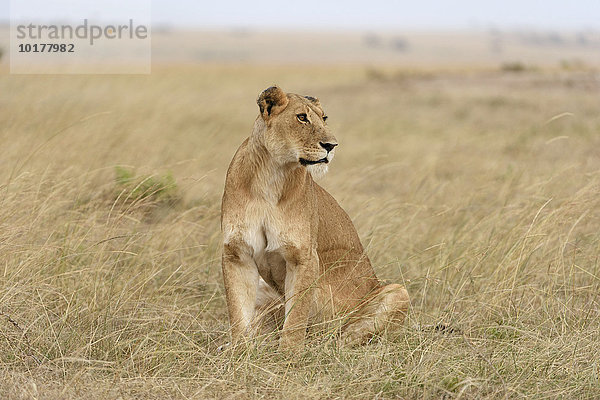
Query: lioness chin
[{"x": 290, "y": 252}]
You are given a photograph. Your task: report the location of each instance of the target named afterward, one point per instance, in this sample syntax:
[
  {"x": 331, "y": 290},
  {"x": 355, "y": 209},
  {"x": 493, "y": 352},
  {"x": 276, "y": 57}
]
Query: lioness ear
[{"x": 272, "y": 101}]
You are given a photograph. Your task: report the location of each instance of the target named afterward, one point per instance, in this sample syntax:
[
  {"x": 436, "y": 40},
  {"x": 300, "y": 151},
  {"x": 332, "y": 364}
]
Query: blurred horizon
[
  {"x": 353, "y": 15},
  {"x": 521, "y": 35}
]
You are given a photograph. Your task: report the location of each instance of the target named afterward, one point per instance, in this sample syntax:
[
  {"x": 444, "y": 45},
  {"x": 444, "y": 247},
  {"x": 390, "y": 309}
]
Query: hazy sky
[{"x": 361, "y": 14}]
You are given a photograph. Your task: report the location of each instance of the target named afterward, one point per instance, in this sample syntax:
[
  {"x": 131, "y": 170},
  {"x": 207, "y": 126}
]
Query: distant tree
[
  {"x": 400, "y": 44},
  {"x": 372, "y": 40},
  {"x": 515, "y": 66},
  {"x": 554, "y": 38},
  {"x": 582, "y": 39}
]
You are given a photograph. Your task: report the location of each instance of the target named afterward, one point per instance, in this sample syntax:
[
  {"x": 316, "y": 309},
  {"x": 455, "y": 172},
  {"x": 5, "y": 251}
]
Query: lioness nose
[{"x": 328, "y": 146}]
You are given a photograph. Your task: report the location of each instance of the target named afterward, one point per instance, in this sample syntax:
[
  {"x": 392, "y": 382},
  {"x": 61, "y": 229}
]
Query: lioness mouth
[{"x": 304, "y": 161}]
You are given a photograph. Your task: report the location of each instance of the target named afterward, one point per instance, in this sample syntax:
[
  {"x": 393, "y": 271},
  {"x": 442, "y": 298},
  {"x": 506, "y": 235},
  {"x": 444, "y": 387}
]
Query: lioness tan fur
[{"x": 288, "y": 247}]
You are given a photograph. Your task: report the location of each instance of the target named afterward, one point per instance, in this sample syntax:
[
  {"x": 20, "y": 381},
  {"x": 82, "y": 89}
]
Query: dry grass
[{"x": 462, "y": 185}]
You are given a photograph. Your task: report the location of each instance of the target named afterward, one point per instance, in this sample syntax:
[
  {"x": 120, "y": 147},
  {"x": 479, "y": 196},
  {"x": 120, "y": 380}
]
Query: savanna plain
[{"x": 478, "y": 189}]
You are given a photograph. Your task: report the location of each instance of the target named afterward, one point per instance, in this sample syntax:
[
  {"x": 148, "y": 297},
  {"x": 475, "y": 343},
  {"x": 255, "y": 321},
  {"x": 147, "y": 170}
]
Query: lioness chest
[{"x": 262, "y": 228}]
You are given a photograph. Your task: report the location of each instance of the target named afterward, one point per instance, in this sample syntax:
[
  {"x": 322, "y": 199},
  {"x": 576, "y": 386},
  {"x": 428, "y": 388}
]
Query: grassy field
[{"x": 479, "y": 189}]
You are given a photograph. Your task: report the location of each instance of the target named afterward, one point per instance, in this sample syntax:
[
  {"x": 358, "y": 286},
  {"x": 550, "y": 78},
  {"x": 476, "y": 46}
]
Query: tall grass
[{"x": 463, "y": 186}]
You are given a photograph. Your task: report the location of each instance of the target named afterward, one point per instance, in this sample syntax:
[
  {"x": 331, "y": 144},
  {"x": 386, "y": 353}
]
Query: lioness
[{"x": 287, "y": 244}]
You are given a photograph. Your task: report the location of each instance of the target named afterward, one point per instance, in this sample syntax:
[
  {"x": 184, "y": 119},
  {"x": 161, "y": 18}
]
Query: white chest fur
[{"x": 261, "y": 229}]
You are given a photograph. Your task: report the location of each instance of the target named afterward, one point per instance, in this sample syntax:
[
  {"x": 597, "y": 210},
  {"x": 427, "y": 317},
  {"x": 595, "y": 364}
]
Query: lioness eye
[
  {"x": 302, "y": 117},
  {"x": 325, "y": 117}
]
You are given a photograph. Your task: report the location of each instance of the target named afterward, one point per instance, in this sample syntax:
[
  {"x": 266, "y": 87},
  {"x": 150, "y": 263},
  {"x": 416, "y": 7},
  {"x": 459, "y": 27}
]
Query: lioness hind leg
[
  {"x": 269, "y": 310},
  {"x": 386, "y": 309}
]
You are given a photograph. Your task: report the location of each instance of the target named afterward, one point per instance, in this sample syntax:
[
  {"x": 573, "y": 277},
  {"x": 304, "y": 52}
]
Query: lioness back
[{"x": 340, "y": 251}]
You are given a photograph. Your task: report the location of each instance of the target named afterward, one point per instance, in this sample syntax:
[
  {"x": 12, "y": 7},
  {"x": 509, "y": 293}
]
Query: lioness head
[{"x": 296, "y": 130}]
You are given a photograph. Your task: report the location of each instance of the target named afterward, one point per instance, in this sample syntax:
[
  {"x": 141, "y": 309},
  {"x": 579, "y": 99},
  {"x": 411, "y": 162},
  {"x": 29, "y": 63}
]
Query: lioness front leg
[
  {"x": 241, "y": 282},
  {"x": 301, "y": 270}
]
